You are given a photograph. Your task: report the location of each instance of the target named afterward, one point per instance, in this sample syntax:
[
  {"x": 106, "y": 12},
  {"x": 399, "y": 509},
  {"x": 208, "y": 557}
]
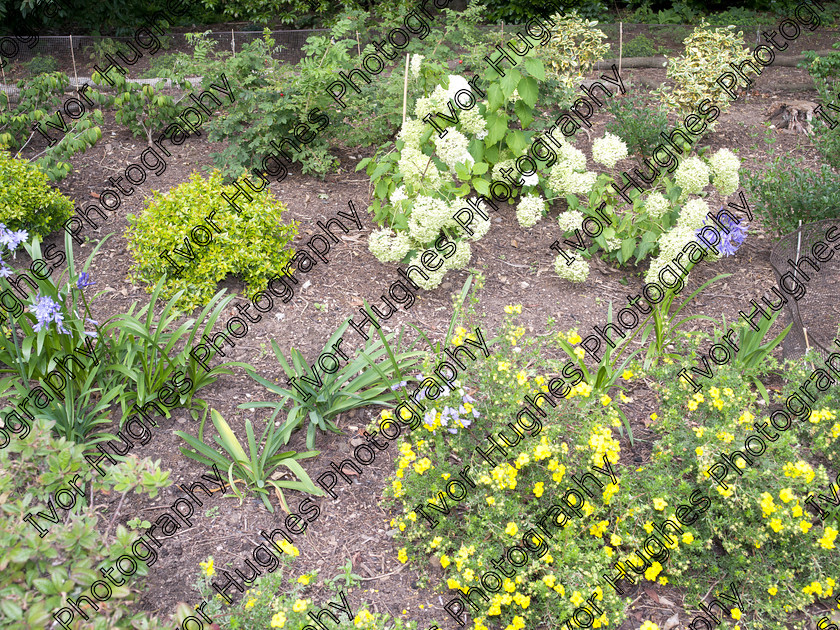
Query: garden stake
[
  {"x": 620, "y": 40},
  {"x": 405, "y": 86},
  {"x": 73, "y": 57}
]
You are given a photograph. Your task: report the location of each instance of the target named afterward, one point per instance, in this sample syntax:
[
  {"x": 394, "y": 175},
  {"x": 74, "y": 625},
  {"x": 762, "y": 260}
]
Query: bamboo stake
[
  {"x": 405, "y": 86},
  {"x": 73, "y": 57}
]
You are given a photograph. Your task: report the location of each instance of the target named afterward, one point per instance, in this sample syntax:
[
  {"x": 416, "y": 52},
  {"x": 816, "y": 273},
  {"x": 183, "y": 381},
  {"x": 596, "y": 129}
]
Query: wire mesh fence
[
  {"x": 816, "y": 314},
  {"x": 77, "y": 55}
]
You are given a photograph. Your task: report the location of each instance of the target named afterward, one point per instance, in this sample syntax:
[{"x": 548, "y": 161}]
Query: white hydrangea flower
[
  {"x": 581, "y": 183},
  {"x": 428, "y": 216},
  {"x": 578, "y": 271},
  {"x": 571, "y": 220},
  {"x": 472, "y": 122},
  {"x": 572, "y": 158},
  {"x": 456, "y": 84},
  {"x": 413, "y": 163},
  {"x": 613, "y": 244},
  {"x": 461, "y": 257},
  {"x": 398, "y": 195},
  {"x": 435, "y": 278},
  {"x": 432, "y": 104},
  {"x": 497, "y": 176},
  {"x": 411, "y": 131},
  {"x": 453, "y": 149},
  {"x": 388, "y": 246},
  {"x": 692, "y": 176},
  {"x": 530, "y": 180},
  {"x": 657, "y": 205},
  {"x": 609, "y": 150},
  {"x": 416, "y": 60},
  {"x": 693, "y": 214},
  {"x": 725, "y": 166},
  {"x": 530, "y": 210},
  {"x": 670, "y": 244}
]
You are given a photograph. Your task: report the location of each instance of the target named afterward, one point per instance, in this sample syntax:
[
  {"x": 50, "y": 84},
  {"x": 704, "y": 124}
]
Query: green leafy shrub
[
  {"x": 251, "y": 243},
  {"x": 786, "y": 192},
  {"x": 640, "y": 46},
  {"x": 637, "y": 124},
  {"x": 695, "y": 73},
  {"x": 141, "y": 109},
  {"x": 40, "y": 65},
  {"x": 27, "y": 201},
  {"x": 825, "y": 71},
  {"x": 520, "y": 11},
  {"x": 40, "y": 98},
  {"x": 38, "y": 575}
]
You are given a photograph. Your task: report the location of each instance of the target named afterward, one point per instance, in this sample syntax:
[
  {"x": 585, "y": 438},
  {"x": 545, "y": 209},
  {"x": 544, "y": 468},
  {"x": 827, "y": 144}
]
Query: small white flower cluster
[
  {"x": 388, "y": 246},
  {"x": 413, "y": 163},
  {"x": 480, "y": 226},
  {"x": 692, "y": 176},
  {"x": 416, "y": 60},
  {"x": 530, "y": 210},
  {"x": 670, "y": 244},
  {"x": 411, "y": 131},
  {"x": 456, "y": 84},
  {"x": 569, "y": 175},
  {"x": 693, "y": 214},
  {"x": 613, "y": 244},
  {"x": 725, "y": 166},
  {"x": 515, "y": 96},
  {"x": 473, "y": 122},
  {"x": 578, "y": 271},
  {"x": 432, "y": 104},
  {"x": 461, "y": 257},
  {"x": 570, "y": 220},
  {"x": 657, "y": 205},
  {"x": 608, "y": 150},
  {"x": 453, "y": 149},
  {"x": 428, "y": 217},
  {"x": 398, "y": 195}
]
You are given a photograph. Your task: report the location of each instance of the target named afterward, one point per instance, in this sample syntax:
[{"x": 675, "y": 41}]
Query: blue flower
[
  {"x": 48, "y": 311},
  {"x": 12, "y": 239},
  {"x": 85, "y": 281},
  {"x": 730, "y": 241},
  {"x": 5, "y": 271}
]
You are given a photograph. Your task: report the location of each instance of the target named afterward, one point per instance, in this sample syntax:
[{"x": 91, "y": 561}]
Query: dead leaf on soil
[{"x": 672, "y": 622}]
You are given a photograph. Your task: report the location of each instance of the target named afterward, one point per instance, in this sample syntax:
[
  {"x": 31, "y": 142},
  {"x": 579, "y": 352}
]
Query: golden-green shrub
[
  {"x": 27, "y": 201},
  {"x": 250, "y": 244},
  {"x": 574, "y": 48}
]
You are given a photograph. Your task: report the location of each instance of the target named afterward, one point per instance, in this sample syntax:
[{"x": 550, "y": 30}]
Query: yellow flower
[
  {"x": 776, "y": 524},
  {"x": 652, "y": 571},
  {"x": 300, "y": 605},
  {"x": 538, "y": 489},
  {"x": 303, "y": 579},
  {"x": 580, "y": 353},
  {"x": 615, "y": 540},
  {"x": 278, "y": 620},
  {"x": 827, "y": 540},
  {"x": 659, "y": 504},
  {"x": 577, "y": 598},
  {"x": 648, "y": 625},
  {"x": 402, "y": 556},
  {"x": 521, "y": 377},
  {"x": 511, "y": 529},
  {"x": 688, "y": 538},
  {"x": 786, "y": 495},
  {"x": 772, "y": 590},
  {"x": 513, "y": 309},
  {"x": 735, "y": 613},
  {"x": 699, "y": 451},
  {"x": 574, "y": 337},
  {"x": 805, "y": 526},
  {"x": 362, "y": 619},
  {"x": 289, "y": 548},
  {"x": 209, "y": 571},
  {"x": 549, "y": 580},
  {"x": 444, "y": 561},
  {"x": 653, "y": 416},
  {"x": 605, "y": 400},
  {"x": 250, "y": 603},
  {"x": 627, "y": 375},
  {"x": 491, "y": 500}
]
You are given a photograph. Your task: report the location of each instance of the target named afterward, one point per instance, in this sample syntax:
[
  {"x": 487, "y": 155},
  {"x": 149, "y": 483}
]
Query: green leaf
[
  {"x": 516, "y": 141},
  {"x": 628, "y": 246},
  {"x": 479, "y": 168},
  {"x": 482, "y": 186},
  {"x": 524, "y": 113},
  {"x": 535, "y": 68},
  {"x": 497, "y": 126},
  {"x": 529, "y": 90},
  {"x": 509, "y": 82},
  {"x": 495, "y": 98}
]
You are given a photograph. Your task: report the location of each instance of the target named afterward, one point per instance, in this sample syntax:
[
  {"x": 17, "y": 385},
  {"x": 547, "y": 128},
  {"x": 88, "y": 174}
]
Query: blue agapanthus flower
[
  {"x": 84, "y": 280},
  {"x": 47, "y": 311},
  {"x": 730, "y": 241}
]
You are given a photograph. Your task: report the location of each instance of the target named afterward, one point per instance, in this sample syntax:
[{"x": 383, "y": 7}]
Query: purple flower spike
[
  {"x": 48, "y": 311},
  {"x": 84, "y": 280}
]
